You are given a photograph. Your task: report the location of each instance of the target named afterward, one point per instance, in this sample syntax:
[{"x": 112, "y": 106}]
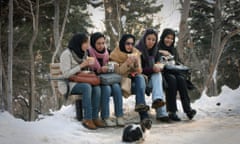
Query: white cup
[{"x": 91, "y": 60}]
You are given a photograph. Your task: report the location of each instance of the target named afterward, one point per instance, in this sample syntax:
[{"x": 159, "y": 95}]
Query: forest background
[{"x": 34, "y": 33}]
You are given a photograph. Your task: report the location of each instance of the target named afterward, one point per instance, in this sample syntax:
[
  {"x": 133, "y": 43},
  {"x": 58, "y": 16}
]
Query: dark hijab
[
  {"x": 75, "y": 44},
  {"x": 161, "y": 44},
  {"x": 123, "y": 40},
  {"x": 143, "y": 48},
  {"x": 94, "y": 37}
]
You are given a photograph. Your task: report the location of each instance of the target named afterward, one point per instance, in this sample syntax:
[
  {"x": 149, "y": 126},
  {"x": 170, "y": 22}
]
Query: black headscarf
[
  {"x": 123, "y": 40},
  {"x": 161, "y": 44},
  {"x": 94, "y": 37},
  {"x": 142, "y": 46},
  {"x": 75, "y": 44}
]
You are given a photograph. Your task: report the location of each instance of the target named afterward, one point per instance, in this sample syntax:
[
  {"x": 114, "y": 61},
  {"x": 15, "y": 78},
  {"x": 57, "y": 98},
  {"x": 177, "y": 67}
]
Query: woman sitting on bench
[{"x": 73, "y": 60}]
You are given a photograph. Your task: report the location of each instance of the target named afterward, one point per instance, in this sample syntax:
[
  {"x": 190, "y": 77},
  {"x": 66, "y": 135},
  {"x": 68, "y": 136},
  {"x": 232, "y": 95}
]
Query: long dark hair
[
  {"x": 142, "y": 45},
  {"x": 148, "y": 55}
]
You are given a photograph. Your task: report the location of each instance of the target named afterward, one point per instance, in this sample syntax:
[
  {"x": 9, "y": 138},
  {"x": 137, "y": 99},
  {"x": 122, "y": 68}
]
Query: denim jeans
[
  {"x": 138, "y": 88},
  {"x": 115, "y": 91},
  {"x": 90, "y": 99},
  {"x": 156, "y": 84}
]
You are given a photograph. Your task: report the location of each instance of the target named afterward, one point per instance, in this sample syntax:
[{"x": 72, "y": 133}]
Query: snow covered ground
[{"x": 217, "y": 121}]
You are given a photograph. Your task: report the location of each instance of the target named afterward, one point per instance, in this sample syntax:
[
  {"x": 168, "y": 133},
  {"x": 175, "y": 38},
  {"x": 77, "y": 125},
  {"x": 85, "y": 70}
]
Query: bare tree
[
  {"x": 3, "y": 82},
  {"x": 58, "y": 38},
  {"x": 1, "y": 77},
  {"x": 214, "y": 65},
  {"x": 215, "y": 45},
  {"x": 35, "y": 22},
  {"x": 1, "y": 66},
  {"x": 183, "y": 31},
  {"x": 10, "y": 56},
  {"x": 112, "y": 21}
]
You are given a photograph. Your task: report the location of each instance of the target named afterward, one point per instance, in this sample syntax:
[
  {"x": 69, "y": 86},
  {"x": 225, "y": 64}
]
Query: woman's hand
[
  {"x": 158, "y": 67},
  {"x": 132, "y": 60},
  {"x": 129, "y": 61},
  {"x": 85, "y": 63},
  {"x": 104, "y": 69}
]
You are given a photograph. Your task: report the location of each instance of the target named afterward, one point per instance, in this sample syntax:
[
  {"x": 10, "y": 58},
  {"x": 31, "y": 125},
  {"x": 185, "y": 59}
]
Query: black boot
[
  {"x": 191, "y": 113},
  {"x": 174, "y": 117}
]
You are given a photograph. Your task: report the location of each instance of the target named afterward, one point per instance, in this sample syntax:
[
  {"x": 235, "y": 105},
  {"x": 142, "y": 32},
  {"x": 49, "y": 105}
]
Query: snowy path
[{"x": 213, "y": 123}]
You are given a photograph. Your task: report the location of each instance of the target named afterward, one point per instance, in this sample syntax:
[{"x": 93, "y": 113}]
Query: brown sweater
[{"x": 120, "y": 57}]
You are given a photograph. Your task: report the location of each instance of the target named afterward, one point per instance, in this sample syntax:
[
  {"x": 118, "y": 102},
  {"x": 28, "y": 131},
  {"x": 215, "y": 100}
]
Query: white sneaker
[
  {"x": 120, "y": 121},
  {"x": 109, "y": 123}
]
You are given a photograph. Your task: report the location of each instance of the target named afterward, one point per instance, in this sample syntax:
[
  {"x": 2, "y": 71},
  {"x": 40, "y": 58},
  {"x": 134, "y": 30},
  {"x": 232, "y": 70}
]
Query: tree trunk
[
  {"x": 32, "y": 98},
  {"x": 10, "y": 56},
  {"x": 58, "y": 41},
  {"x": 112, "y": 21},
  {"x": 1, "y": 67},
  {"x": 3, "y": 82},
  {"x": 56, "y": 28},
  {"x": 215, "y": 48},
  {"x": 57, "y": 38},
  {"x": 1, "y": 77},
  {"x": 218, "y": 56},
  {"x": 183, "y": 31}
]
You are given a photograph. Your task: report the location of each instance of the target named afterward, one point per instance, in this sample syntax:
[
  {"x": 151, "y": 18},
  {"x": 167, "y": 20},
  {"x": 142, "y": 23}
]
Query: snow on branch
[{"x": 22, "y": 98}]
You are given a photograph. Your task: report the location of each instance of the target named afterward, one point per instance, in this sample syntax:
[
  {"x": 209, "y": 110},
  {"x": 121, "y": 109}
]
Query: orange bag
[{"x": 83, "y": 77}]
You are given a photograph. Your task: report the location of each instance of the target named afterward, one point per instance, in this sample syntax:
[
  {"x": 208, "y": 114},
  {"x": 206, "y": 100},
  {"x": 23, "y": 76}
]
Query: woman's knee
[
  {"x": 96, "y": 89},
  {"x": 106, "y": 90},
  {"x": 116, "y": 86},
  {"x": 171, "y": 77},
  {"x": 82, "y": 88},
  {"x": 180, "y": 78},
  {"x": 140, "y": 79},
  {"x": 156, "y": 77}
]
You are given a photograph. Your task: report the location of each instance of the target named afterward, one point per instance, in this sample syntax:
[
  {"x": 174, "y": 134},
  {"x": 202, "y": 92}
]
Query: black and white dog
[{"x": 136, "y": 132}]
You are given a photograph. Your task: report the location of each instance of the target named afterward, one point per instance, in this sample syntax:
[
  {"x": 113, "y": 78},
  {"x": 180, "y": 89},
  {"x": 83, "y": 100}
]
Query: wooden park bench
[{"x": 55, "y": 76}]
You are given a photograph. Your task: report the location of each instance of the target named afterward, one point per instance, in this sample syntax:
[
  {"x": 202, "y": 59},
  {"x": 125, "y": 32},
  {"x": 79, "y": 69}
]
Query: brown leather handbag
[{"x": 85, "y": 77}]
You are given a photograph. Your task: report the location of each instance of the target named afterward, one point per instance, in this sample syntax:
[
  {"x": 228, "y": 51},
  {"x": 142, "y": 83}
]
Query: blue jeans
[
  {"x": 156, "y": 84},
  {"x": 138, "y": 88},
  {"x": 106, "y": 92},
  {"x": 90, "y": 99}
]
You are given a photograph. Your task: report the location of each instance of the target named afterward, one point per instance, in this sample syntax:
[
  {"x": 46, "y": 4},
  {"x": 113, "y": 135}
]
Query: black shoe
[
  {"x": 158, "y": 103},
  {"x": 141, "y": 108},
  {"x": 174, "y": 117},
  {"x": 191, "y": 113},
  {"x": 164, "y": 119}
]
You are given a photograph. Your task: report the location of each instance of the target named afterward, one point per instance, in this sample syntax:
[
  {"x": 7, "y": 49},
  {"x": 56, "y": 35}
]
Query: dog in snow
[{"x": 136, "y": 132}]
